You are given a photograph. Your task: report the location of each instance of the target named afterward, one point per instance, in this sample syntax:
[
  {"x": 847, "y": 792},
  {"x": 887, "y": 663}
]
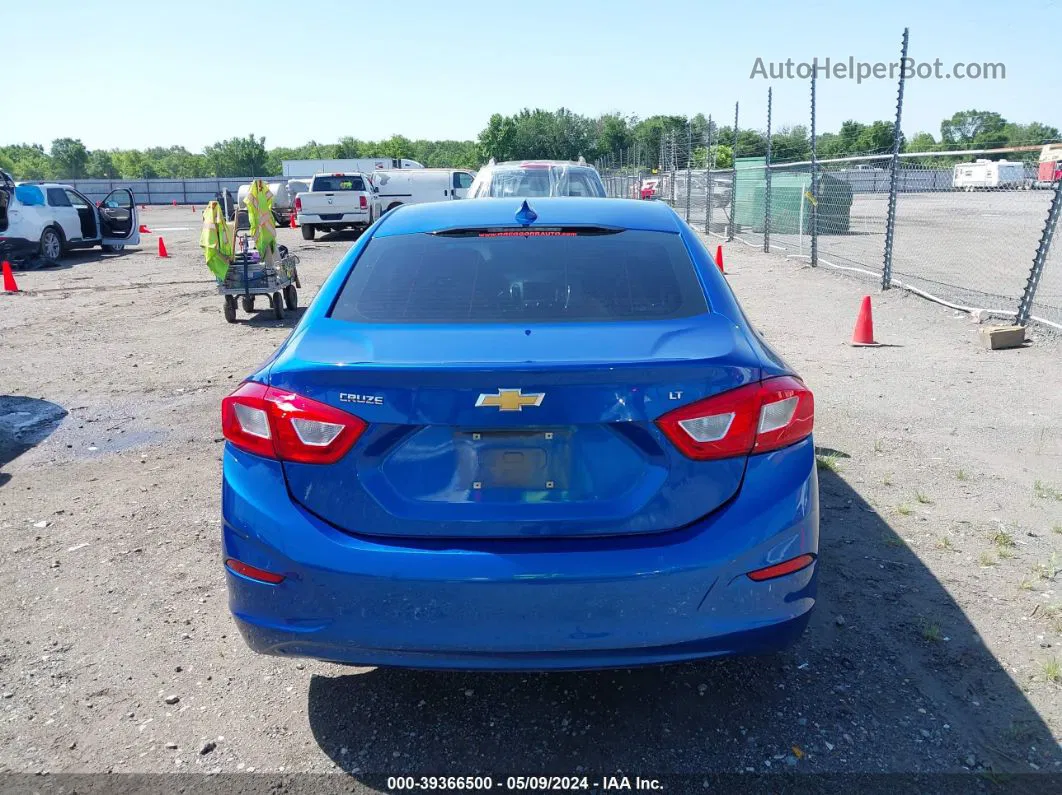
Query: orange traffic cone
[
  {"x": 863, "y": 335},
  {"x": 162, "y": 248},
  {"x": 144, "y": 230},
  {"x": 291, "y": 222},
  {"x": 719, "y": 259},
  {"x": 9, "y": 279}
]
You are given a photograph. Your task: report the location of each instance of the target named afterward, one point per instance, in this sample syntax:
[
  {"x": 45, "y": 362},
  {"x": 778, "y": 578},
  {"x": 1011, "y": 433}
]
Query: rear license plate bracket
[{"x": 514, "y": 460}]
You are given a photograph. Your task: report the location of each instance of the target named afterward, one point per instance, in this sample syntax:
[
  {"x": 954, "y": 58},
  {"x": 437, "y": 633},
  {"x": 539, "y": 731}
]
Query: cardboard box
[{"x": 998, "y": 337}]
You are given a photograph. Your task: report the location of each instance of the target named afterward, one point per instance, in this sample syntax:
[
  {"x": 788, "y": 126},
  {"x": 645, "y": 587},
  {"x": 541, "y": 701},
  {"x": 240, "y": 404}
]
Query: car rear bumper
[
  {"x": 334, "y": 218},
  {"x": 524, "y": 604}
]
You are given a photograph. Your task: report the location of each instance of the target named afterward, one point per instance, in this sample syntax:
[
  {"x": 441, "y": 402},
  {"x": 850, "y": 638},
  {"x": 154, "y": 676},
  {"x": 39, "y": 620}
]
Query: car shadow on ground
[
  {"x": 74, "y": 258},
  {"x": 263, "y": 316},
  {"x": 890, "y": 676},
  {"x": 25, "y": 422},
  {"x": 342, "y": 236}
]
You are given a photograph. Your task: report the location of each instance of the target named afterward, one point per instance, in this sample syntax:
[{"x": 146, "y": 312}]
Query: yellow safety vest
[{"x": 216, "y": 240}]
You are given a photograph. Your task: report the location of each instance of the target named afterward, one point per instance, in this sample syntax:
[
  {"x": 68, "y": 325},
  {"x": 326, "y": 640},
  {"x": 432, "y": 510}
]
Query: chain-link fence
[
  {"x": 971, "y": 229},
  {"x": 971, "y": 246}
]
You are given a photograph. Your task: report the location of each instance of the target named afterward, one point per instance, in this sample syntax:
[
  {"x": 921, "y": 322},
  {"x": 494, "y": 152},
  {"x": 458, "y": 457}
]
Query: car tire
[
  {"x": 291, "y": 297},
  {"x": 247, "y": 302},
  {"x": 113, "y": 249},
  {"x": 307, "y": 231},
  {"x": 278, "y": 305},
  {"x": 392, "y": 206},
  {"x": 52, "y": 245},
  {"x": 230, "y": 308}
]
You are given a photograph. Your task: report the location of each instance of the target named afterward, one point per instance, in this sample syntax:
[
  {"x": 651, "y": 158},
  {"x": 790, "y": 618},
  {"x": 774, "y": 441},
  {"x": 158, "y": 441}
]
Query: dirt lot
[{"x": 936, "y": 645}]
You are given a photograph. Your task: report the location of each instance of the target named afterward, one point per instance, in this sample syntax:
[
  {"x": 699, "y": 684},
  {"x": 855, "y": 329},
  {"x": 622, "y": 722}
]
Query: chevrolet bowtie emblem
[{"x": 510, "y": 400}]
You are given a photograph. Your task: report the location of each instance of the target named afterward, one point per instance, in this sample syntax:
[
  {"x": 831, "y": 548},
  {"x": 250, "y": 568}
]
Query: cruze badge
[
  {"x": 354, "y": 397},
  {"x": 510, "y": 400}
]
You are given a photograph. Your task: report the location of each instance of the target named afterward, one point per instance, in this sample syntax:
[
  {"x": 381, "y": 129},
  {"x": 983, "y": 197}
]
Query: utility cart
[{"x": 249, "y": 276}]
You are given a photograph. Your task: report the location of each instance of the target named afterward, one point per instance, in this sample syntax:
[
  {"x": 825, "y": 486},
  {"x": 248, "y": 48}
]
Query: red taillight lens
[
  {"x": 275, "y": 423},
  {"x": 364, "y": 202},
  {"x": 298, "y": 204},
  {"x": 253, "y": 572},
  {"x": 751, "y": 419},
  {"x": 783, "y": 568}
]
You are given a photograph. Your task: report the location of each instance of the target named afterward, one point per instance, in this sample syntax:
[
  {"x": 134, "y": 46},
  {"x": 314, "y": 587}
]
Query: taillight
[
  {"x": 364, "y": 202},
  {"x": 298, "y": 204},
  {"x": 751, "y": 419},
  {"x": 276, "y": 423}
]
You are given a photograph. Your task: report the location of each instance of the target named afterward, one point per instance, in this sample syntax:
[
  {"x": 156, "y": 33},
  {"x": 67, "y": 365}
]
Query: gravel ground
[{"x": 935, "y": 647}]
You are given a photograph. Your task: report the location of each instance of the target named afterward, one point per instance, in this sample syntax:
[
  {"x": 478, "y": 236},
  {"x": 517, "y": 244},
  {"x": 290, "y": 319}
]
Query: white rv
[
  {"x": 421, "y": 185},
  {"x": 989, "y": 174}
]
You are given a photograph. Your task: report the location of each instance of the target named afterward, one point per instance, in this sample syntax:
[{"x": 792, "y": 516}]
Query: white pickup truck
[{"x": 337, "y": 201}]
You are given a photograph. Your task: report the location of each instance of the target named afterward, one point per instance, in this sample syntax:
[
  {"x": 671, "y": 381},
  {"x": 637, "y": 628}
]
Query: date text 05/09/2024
[{"x": 524, "y": 783}]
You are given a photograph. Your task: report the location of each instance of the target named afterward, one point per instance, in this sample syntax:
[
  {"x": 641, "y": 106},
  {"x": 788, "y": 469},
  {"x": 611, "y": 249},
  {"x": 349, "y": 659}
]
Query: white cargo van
[{"x": 421, "y": 185}]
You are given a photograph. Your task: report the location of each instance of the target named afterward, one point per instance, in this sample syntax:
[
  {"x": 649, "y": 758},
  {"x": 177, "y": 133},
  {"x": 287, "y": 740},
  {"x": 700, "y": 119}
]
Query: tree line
[{"x": 611, "y": 138}]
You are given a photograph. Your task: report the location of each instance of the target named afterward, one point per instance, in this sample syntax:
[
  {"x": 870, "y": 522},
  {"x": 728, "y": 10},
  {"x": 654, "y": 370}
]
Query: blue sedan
[{"x": 513, "y": 435}]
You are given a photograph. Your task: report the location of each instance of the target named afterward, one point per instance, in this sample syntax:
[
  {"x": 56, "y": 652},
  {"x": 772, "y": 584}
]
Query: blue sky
[{"x": 139, "y": 74}]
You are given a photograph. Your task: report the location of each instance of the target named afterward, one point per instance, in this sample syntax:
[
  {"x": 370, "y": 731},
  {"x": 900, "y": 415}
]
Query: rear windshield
[
  {"x": 511, "y": 276},
  {"x": 338, "y": 183}
]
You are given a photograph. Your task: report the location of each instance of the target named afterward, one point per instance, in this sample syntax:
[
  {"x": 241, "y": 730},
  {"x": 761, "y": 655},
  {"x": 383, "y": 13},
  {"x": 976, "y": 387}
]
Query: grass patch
[
  {"x": 1053, "y": 670},
  {"x": 1027, "y": 585},
  {"x": 923, "y": 498},
  {"x": 931, "y": 632},
  {"x": 879, "y": 446},
  {"x": 987, "y": 559},
  {"x": 891, "y": 540},
  {"x": 1057, "y": 529},
  {"x": 962, "y": 475},
  {"x": 887, "y": 480},
  {"x": 828, "y": 462},
  {"x": 1053, "y": 613},
  {"x": 1046, "y": 570},
  {"x": 904, "y": 510},
  {"x": 1046, "y": 492},
  {"x": 1002, "y": 539},
  {"x": 945, "y": 543}
]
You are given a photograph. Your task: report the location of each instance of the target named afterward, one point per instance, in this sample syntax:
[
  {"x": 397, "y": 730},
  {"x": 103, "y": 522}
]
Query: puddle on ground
[{"x": 25, "y": 422}]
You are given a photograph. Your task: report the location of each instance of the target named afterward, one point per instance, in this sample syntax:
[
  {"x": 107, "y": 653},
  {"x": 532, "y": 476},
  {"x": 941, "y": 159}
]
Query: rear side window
[
  {"x": 338, "y": 183},
  {"x": 57, "y": 197},
  {"x": 501, "y": 276}
]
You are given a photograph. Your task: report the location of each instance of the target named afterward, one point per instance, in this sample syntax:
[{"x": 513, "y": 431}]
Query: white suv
[{"x": 48, "y": 219}]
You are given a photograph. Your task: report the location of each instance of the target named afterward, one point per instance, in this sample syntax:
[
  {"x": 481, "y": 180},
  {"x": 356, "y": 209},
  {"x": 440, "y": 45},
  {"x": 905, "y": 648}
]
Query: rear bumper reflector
[
  {"x": 252, "y": 573},
  {"x": 783, "y": 568}
]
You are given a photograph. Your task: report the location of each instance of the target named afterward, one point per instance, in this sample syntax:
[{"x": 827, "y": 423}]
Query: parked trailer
[
  {"x": 989, "y": 174},
  {"x": 1050, "y": 170},
  {"x": 365, "y": 165}
]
